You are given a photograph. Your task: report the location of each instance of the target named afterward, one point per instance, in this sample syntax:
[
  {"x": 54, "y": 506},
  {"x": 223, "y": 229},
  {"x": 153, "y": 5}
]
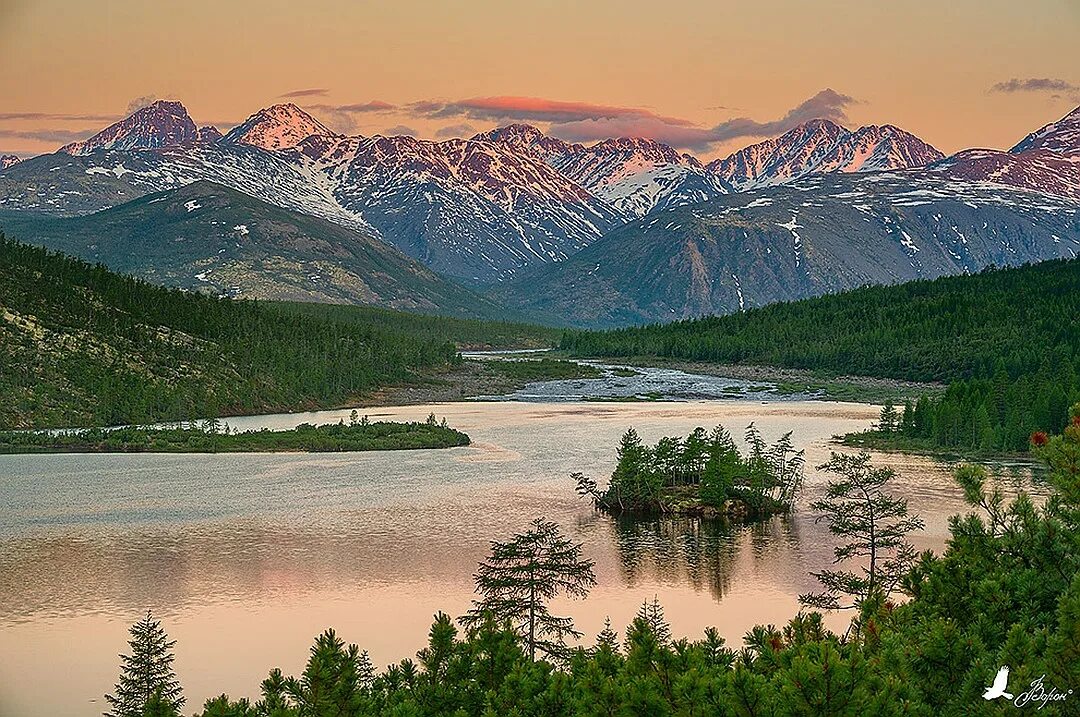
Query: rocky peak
[
  {"x": 7, "y": 160},
  {"x": 1062, "y": 136},
  {"x": 280, "y": 126},
  {"x": 162, "y": 124}
]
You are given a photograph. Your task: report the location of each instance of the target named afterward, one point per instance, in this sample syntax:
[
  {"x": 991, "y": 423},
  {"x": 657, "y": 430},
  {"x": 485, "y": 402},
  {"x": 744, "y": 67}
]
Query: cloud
[
  {"x": 400, "y": 129},
  {"x": 139, "y": 102},
  {"x": 531, "y": 109},
  {"x": 827, "y": 104},
  {"x": 311, "y": 92},
  {"x": 61, "y": 136},
  {"x": 57, "y": 117},
  {"x": 455, "y": 130},
  {"x": 341, "y": 118},
  {"x": 1036, "y": 84}
]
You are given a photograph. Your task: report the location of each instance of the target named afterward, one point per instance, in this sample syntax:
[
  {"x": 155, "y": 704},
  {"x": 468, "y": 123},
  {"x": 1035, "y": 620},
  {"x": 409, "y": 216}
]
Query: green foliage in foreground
[
  {"x": 1006, "y": 591},
  {"x": 705, "y": 467},
  {"x": 1007, "y": 341},
  {"x": 214, "y": 437},
  {"x": 81, "y": 345}
]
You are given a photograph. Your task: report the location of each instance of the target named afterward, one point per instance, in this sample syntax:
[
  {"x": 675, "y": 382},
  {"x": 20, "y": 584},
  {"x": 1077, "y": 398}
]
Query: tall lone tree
[
  {"x": 874, "y": 525},
  {"x": 147, "y": 683},
  {"x": 522, "y": 576}
]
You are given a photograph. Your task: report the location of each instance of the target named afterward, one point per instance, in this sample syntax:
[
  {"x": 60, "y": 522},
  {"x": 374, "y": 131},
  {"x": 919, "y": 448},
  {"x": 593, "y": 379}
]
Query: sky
[{"x": 708, "y": 76}]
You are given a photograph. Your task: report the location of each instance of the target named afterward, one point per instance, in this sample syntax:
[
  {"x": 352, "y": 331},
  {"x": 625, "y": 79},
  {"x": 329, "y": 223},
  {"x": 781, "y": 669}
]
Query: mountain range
[{"x": 622, "y": 230}]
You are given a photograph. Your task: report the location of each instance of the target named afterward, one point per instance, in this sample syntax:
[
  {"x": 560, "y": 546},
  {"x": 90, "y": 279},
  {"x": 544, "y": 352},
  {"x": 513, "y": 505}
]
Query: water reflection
[{"x": 249, "y": 556}]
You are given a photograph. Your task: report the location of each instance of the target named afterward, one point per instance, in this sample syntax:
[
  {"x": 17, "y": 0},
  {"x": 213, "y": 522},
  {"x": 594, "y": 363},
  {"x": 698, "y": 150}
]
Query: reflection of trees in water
[{"x": 701, "y": 553}]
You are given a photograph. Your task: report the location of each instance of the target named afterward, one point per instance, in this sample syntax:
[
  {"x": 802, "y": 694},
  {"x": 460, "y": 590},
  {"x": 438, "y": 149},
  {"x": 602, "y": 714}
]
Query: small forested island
[
  {"x": 213, "y": 436},
  {"x": 703, "y": 475}
]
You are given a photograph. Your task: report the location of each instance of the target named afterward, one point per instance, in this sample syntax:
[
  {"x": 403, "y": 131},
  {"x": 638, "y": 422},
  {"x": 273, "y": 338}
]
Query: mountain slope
[
  {"x": 80, "y": 345},
  {"x": 162, "y": 124},
  {"x": 634, "y": 176},
  {"x": 821, "y": 146},
  {"x": 467, "y": 208},
  {"x": 276, "y": 127},
  {"x": 1047, "y": 160},
  {"x": 818, "y": 235},
  {"x": 207, "y": 237}
]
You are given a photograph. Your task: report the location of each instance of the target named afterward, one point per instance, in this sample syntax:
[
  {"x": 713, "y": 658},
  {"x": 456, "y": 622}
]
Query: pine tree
[
  {"x": 519, "y": 579},
  {"x": 875, "y": 526},
  {"x": 147, "y": 681}
]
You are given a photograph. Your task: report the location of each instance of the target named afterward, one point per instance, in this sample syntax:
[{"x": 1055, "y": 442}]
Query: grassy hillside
[
  {"x": 214, "y": 239},
  {"x": 1006, "y": 340},
  {"x": 81, "y": 345}
]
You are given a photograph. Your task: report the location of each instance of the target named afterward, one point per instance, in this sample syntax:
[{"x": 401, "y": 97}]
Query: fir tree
[
  {"x": 522, "y": 576},
  {"x": 147, "y": 681}
]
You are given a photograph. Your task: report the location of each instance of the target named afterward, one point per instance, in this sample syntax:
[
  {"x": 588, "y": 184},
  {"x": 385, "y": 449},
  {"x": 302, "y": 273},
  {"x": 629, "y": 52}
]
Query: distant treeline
[
  {"x": 475, "y": 334},
  {"x": 1007, "y": 342},
  {"x": 80, "y": 345}
]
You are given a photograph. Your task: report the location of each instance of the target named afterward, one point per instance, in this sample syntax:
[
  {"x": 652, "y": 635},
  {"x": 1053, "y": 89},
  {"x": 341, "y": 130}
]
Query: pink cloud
[{"x": 535, "y": 109}]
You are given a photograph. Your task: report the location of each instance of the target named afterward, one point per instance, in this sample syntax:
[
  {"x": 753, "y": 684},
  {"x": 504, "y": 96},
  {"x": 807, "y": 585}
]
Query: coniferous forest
[
  {"x": 80, "y": 345},
  {"x": 1006, "y": 341}
]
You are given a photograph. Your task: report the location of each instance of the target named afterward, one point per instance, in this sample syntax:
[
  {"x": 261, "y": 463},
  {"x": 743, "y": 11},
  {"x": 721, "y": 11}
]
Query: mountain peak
[
  {"x": 164, "y": 123},
  {"x": 7, "y": 160},
  {"x": 820, "y": 146},
  {"x": 1062, "y": 136},
  {"x": 280, "y": 126},
  {"x": 527, "y": 138}
]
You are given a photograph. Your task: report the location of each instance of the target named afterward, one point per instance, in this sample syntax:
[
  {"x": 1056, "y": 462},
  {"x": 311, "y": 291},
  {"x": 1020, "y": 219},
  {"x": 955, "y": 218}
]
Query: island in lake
[{"x": 214, "y": 436}]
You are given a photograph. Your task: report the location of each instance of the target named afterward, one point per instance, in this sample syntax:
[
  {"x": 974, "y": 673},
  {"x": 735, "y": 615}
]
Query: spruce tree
[
  {"x": 522, "y": 576},
  {"x": 147, "y": 681}
]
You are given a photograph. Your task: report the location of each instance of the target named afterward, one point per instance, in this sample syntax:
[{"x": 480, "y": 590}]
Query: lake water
[{"x": 246, "y": 558}]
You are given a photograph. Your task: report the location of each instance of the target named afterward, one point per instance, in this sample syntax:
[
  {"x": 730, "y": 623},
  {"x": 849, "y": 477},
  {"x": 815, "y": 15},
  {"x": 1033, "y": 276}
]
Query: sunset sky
[{"x": 705, "y": 75}]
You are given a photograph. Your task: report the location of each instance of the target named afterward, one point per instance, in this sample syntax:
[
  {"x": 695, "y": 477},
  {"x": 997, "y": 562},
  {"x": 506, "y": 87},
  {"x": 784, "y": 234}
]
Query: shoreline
[{"x": 856, "y": 389}]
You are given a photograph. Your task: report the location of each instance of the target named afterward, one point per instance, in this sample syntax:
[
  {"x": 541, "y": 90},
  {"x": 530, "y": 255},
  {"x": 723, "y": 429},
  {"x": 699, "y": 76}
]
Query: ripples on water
[{"x": 248, "y": 556}]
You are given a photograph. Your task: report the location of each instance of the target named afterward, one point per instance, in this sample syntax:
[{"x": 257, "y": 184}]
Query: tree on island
[
  {"x": 521, "y": 576},
  {"x": 875, "y": 525},
  {"x": 148, "y": 685}
]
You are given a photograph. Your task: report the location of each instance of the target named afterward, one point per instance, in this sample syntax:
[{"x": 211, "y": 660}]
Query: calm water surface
[{"x": 247, "y": 557}]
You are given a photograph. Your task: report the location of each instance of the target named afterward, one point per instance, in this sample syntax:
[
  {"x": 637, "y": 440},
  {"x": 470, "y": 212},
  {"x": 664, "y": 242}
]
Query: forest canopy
[{"x": 1006, "y": 341}]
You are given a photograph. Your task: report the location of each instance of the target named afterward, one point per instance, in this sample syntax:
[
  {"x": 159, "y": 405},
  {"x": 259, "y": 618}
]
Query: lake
[{"x": 246, "y": 558}]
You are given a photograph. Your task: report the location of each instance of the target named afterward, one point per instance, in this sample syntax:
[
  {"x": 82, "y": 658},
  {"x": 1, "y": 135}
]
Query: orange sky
[{"x": 706, "y": 74}]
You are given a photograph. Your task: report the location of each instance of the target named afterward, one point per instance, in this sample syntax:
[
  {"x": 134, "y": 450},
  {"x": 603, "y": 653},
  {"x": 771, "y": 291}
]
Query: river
[{"x": 247, "y": 557}]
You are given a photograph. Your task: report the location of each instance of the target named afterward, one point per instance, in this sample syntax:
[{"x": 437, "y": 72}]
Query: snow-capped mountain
[
  {"x": 822, "y": 146},
  {"x": 502, "y": 202},
  {"x": 638, "y": 176},
  {"x": 161, "y": 124},
  {"x": 528, "y": 139},
  {"x": 277, "y": 127},
  {"x": 1062, "y": 136},
  {"x": 1047, "y": 161},
  {"x": 8, "y": 160},
  {"x": 635, "y": 176},
  {"x": 817, "y": 235},
  {"x": 470, "y": 208}
]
